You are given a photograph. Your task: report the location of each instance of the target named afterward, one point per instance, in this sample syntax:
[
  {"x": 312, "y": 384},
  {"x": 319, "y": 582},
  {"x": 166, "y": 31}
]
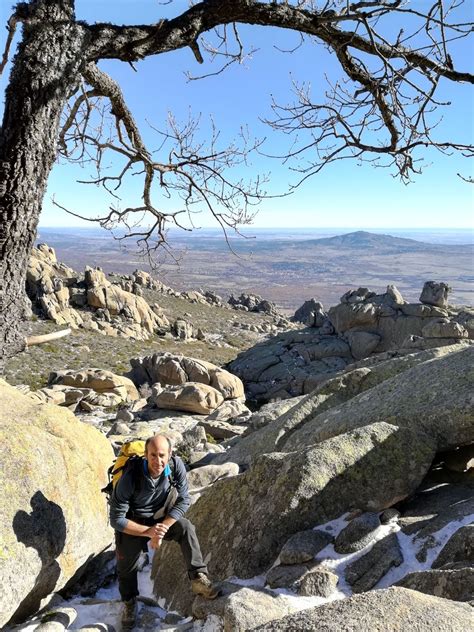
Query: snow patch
[
  {"x": 411, "y": 545},
  {"x": 105, "y": 607},
  {"x": 213, "y": 623}
]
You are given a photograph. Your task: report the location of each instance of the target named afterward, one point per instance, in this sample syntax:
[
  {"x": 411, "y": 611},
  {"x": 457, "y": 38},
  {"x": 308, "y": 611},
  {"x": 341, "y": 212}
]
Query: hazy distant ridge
[{"x": 362, "y": 239}]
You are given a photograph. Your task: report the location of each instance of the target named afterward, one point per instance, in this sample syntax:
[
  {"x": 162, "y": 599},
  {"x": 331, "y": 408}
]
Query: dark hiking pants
[{"x": 129, "y": 547}]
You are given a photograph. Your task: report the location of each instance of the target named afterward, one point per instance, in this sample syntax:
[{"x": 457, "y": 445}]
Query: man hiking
[{"x": 139, "y": 495}]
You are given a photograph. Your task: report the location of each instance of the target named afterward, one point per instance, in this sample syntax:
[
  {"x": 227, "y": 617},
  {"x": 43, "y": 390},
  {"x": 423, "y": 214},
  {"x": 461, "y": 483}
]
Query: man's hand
[
  {"x": 160, "y": 530},
  {"x": 155, "y": 543},
  {"x": 155, "y": 531},
  {"x": 156, "y": 534}
]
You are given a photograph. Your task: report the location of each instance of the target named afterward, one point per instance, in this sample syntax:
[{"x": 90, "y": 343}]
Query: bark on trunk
[{"x": 45, "y": 71}]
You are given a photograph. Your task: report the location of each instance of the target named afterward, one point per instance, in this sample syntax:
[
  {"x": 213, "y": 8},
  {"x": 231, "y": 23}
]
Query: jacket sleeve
[
  {"x": 183, "y": 501},
  {"x": 120, "y": 502}
]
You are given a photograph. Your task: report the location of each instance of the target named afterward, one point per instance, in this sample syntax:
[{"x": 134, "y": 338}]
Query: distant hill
[{"x": 362, "y": 240}]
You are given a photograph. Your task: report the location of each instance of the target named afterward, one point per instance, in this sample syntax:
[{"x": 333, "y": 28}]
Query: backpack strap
[
  {"x": 136, "y": 464},
  {"x": 172, "y": 475},
  {"x": 172, "y": 492}
]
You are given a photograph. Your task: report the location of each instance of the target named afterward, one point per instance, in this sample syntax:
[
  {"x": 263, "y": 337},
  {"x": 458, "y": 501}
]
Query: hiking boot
[
  {"x": 129, "y": 614},
  {"x": 202, "y": 585}
]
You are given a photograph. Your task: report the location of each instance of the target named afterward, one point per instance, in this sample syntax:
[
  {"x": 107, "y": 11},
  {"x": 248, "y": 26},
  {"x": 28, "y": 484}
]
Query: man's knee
[
  {"x": 182, "y": 527},
  {"x": 186, "y": 524}
]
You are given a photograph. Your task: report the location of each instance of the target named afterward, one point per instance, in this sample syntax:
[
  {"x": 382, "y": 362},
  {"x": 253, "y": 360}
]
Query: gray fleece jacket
[{"x": 138, "y": 495}]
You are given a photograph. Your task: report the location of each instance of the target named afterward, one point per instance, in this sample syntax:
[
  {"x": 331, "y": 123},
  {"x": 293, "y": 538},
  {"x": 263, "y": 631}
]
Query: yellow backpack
[{"x": 131, "y": 453}]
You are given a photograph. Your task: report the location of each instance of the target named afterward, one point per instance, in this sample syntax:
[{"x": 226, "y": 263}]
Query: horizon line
[{"x": 358, "y": 228}]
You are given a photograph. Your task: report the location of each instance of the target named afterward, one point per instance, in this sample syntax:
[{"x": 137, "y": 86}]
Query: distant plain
[{"x": 288, "y": 266}]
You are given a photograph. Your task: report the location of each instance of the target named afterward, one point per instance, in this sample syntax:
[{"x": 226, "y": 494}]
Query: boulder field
[{"x": 352, "y": 488}]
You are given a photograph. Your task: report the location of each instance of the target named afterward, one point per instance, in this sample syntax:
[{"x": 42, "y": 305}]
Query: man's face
[{"x": 158, "y": 454}]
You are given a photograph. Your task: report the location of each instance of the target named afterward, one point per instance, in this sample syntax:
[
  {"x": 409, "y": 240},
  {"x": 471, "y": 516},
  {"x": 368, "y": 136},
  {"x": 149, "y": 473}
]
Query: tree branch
[
  {"x": 193, "y": 171},
  {"x": 133, "y": 43},
  {"x": 379, "y": 111}
]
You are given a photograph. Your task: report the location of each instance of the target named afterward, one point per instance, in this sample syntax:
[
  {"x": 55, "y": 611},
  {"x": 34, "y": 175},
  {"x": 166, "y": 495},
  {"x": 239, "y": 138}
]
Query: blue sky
[{"x": 342, "y": 195}]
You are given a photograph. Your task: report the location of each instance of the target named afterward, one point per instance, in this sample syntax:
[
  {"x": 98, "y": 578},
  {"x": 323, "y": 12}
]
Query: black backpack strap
[
  {"x": 172, "y": 476},
  {"x": 136, "y": 464}
]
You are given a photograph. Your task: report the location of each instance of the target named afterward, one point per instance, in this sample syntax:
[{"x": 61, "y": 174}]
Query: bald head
[
  {"x": 158, "y": 453},
  {"x": 158, "y": 438}
]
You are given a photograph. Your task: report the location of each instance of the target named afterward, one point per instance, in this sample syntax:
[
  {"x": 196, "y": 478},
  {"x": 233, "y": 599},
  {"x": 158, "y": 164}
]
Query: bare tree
[{"x": 381, "y": 108}]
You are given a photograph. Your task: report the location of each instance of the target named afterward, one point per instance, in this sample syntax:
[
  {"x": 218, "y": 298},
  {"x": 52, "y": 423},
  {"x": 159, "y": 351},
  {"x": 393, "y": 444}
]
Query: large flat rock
[
  {"x": 435, "y": 397},
  {"x": 394, "y": 609},
  {"x": 332, "y": 394}
]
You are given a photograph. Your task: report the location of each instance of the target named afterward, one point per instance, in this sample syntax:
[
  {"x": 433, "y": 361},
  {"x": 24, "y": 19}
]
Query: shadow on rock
[{"x": 43, "y": 529}]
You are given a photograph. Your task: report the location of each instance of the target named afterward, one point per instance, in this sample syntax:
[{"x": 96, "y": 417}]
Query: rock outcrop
[
  {"x": 43, "y": 266},
  {"x": 253, "y": 303},
  {"x": 193, "y": 397},
  {"x": 92, "y": 301},
  {"x": 370, "y": 468},
  {"x": 364, "y": 324},
  {"x": 434, "y": 398},
  {"x": 108, "y": 388},
  {"x": 311, "y": 314},
  {"x": 47, "y": 285},
  {"x": 173, "y": 369},
  {"x": 434, "y": 293},
  {"x": 393, "y": 320},
  {"x": 104, "y": 295},
  {"x": 332, "y": 394},
  {"x": 290, "y": 364},
  {"x": 53, "y": 516}
]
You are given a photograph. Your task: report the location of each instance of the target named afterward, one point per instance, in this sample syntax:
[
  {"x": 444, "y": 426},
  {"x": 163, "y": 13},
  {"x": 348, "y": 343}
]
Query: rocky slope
[
  {"x": 116, "y": 306},
  {"x": 363, "y": 325},
  {"x": 346, "y": 501},
  {"x": 200, "y": 323}
]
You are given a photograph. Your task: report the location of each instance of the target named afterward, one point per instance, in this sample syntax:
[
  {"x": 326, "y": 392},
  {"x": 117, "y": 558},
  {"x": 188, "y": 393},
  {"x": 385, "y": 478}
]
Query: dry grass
[{"x": 85, "y": 349}]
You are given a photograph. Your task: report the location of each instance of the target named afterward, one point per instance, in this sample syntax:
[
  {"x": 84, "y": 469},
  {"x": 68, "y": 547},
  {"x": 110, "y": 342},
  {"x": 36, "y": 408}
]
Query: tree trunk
[{"x": 45, "y": 72}]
